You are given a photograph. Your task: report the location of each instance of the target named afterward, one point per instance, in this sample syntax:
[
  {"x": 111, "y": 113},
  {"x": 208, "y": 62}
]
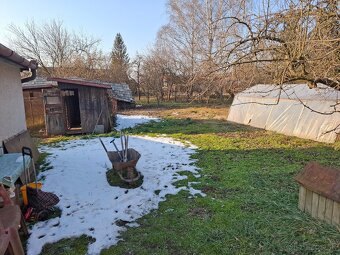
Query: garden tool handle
[{"x": 27, "y": 151}]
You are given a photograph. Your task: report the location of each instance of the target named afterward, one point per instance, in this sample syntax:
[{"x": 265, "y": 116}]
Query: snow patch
[
  {"x": 90, "y": 206},
  {"x": 129, "y": 121}
]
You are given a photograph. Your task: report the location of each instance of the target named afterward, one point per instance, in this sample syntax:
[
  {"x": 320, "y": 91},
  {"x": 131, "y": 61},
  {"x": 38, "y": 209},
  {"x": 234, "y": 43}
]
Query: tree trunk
[
  {"x": 175, "y": 93},
  {"x": 221, "y": 95},
  {"x": 158, "y": 104}
]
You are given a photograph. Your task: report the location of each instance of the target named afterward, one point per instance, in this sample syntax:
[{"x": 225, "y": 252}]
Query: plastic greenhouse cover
[{"x": 292, "y": 110}]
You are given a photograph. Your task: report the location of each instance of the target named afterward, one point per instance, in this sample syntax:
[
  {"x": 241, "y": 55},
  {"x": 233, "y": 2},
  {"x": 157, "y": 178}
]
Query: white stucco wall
[{"x": 12, "y": 111}]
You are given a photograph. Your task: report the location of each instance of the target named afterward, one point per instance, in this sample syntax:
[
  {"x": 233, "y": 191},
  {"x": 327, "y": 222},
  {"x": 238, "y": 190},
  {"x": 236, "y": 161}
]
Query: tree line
[
  {"x": 208, "y": 48},
  {"x": 217, "y": 47},
  {"x": 61, "y": 53}
]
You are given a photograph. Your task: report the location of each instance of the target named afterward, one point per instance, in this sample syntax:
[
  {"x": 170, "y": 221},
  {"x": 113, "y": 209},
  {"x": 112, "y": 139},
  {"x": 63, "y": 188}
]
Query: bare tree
[
  {"x": 298, "y": 42},
  {"x": 53, "y": 45},
  {"x": 136, "y": 67},
  {"x": 198, "y": 36},
  {"x": 153, "y": 75}
]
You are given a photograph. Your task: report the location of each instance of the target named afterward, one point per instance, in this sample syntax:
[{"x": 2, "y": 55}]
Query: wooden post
[{"x": 302, "y": 198}]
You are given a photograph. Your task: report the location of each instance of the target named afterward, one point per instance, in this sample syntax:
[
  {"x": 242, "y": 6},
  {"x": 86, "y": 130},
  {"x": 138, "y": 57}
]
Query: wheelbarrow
[{"x": 125, "y": 167}]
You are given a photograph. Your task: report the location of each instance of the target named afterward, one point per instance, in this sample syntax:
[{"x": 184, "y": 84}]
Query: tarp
[{"x": 292, "y": 109}]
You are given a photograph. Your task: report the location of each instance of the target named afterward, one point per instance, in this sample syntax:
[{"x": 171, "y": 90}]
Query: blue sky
[{"x": 137, "y": 20}]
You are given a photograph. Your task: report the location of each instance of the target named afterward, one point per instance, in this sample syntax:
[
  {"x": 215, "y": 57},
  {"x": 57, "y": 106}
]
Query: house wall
[
  {"x": 93, "y": 104},
  {"x": 12, "y": 112}
]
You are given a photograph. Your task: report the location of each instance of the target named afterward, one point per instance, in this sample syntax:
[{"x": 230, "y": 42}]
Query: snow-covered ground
[
  {"x": 126, "y": 121},
  {"x": 91, "y": 206}
]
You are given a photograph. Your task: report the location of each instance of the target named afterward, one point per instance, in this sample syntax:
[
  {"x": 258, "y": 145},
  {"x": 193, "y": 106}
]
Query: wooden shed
[
  {"x": 123, "y": 95},
  {"x": 319, "y": 192},
  {"x": 34, "y": 103},
  {"x": 76, "y": 106}
]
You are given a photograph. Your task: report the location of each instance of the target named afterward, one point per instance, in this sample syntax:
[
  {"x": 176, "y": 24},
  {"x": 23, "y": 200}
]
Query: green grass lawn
[{"x": 251, "y": 202}]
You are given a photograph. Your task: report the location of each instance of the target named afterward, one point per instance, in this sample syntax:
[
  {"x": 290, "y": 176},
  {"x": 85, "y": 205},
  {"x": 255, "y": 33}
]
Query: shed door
[{"x": 54, "y": 113}]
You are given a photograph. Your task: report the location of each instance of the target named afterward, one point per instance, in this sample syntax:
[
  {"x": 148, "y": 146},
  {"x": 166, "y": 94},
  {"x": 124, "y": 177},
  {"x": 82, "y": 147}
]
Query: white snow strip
[
  {"x": 90, "y": 206},
  {"x": 127, "y": 121},
  {"x": 194, "y": 191}
]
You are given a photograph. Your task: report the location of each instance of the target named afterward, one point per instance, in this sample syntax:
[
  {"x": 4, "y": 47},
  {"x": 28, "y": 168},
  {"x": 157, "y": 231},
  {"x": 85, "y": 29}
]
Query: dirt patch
[
  {"x": 209, "y": 190},
  {"x": 200, "y": 212},
  {"x": 121, "y": 223},
  {"x": 219, "y": 192},
  {"x": 215, "y": 178}
]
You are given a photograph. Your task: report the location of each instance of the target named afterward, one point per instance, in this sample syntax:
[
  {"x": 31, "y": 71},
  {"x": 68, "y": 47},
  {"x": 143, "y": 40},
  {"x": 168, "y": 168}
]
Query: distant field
[{"x": 181, "y": 110}]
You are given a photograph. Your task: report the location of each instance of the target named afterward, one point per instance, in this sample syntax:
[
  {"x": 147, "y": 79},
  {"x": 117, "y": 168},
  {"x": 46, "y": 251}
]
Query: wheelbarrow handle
[{"x": 27, "y": 151}]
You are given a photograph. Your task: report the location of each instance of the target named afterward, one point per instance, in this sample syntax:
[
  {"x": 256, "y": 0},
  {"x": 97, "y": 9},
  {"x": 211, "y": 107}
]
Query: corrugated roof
[{"x": 122, "y": 92}]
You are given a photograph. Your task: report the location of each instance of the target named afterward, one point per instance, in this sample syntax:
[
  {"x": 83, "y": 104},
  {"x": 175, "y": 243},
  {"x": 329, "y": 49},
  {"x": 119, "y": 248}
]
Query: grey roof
[
  {"x": 122, "y": 92},
  {"x": 39, "y": 82}
]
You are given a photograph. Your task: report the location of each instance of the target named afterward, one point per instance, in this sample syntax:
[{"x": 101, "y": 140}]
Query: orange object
[{"x": 23, "y": 190}]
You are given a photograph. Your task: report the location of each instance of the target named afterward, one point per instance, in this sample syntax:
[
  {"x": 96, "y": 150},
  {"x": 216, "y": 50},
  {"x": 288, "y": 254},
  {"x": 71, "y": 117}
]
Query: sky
[{"x": 136, "y": 20}]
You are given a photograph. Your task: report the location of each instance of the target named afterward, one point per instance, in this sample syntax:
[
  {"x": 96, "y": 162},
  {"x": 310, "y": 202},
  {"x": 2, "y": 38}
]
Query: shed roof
[
  {"x": 122, "y": 92},
  {"x": 39, "y": 83},
  {"x": 15, "y": 58},
  {"x": 322, "y": 180},
  {"x": 83, "y": 82}
]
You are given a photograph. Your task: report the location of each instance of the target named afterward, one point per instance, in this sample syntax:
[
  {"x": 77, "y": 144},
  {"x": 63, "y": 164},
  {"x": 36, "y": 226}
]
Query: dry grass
[{"x": 197, "y": 113}]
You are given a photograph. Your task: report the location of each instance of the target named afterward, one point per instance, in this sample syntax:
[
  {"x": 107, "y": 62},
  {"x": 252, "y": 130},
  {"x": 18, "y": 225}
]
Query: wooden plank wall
[
  {"x": 93, "y": 104},
  {"x": 319, "y": 207},
  {"x": 34, "y": 108},
  {"x": 54, "y": 112},
  {"x": 93, "y": 108}
]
